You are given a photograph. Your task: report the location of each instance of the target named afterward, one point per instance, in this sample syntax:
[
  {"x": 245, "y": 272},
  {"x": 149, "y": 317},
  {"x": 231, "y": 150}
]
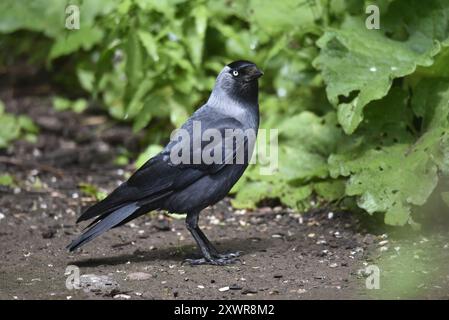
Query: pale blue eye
[{"x": 235, "y": 73}]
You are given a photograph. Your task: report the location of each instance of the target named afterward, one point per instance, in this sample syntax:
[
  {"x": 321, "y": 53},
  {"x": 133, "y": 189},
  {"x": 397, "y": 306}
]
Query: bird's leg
[
  {"x": 214, "y": 251},
  {"x": 210, "y": 254}
]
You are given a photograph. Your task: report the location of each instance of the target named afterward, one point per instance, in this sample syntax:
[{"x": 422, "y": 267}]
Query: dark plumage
[{"x": 189, "y": 187}]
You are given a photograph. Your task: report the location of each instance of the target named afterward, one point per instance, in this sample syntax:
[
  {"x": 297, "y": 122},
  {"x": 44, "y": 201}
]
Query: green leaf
[
  {"x": 27, "y": 124},
  {"x": 388, "y": 180},
  {"x": 86, "y": 79},
  {"x": 392, "y": 172},
  {"x": 137, "y": 102},
  {"x": 290, "y": 14},
  {"x": 134, "y": 63},
  {"x": 63, "y": 104},
  {"x": 13, "y": 127},
  {"x": 330, "y": 190},
  {"x": 196, "y": 41},
  {"x": 249, "y": 195},
  {"x": 149, "y": 43},
  {"x": 354, "y": 65},
  {"x": 73, "y": 40},
  {"x": 92, "y": 190},
  {"x": 6, "y": 180},
  {"x": 445, "y": 197},
  {"x": 149, "y": 152},
  {"x": 178, "y": 114},
  {"x": 9, "y": 129}
]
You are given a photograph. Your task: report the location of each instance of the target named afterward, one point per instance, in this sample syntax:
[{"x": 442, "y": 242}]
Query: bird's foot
[
  {"x": 215, "y": 261},
  {"x": 229, "y": 255}
]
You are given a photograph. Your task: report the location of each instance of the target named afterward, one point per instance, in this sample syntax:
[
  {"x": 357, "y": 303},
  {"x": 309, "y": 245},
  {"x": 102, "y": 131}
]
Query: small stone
[
  {"x": 49, "y": 233},
  {"x": 122, "y": 296},
  {"x": 224, "y": 289},
  {"x": 249, "y": 291},
  {"x": 139, "y": 276},
  {"x": 333, "y": 265}
]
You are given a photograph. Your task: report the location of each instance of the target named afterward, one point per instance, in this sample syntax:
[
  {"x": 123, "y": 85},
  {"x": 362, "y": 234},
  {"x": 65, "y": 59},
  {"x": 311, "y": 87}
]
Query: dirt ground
[{"x": 285, "y": 255}]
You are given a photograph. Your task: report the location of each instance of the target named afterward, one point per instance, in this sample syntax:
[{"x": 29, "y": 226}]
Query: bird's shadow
[{"x": 178, "y": 253}]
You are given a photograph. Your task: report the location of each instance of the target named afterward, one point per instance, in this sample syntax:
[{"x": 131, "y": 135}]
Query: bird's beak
[{"x": 254, "y": 73}]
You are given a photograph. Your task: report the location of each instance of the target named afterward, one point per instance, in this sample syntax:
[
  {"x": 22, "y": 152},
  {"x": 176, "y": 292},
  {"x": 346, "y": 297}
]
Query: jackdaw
[{"x": 179, "y": 179}]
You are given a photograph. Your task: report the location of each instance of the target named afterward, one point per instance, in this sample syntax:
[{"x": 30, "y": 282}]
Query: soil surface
[{"x": 285, "y": 255}]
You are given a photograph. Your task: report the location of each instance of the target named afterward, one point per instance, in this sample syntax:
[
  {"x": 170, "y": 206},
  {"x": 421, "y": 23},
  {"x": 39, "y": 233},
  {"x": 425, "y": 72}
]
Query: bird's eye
[{"x": 235, "y": 73}]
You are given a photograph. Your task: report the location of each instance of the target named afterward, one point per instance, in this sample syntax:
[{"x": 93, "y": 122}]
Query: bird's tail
[{"x": 109, "y": 221}]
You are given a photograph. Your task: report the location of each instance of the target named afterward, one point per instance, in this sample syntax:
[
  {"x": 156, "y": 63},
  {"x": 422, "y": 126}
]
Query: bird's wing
[
  {"x": 153, "y": 181},
  {"x": 228, "y": 143},
  {"x": 159, "y": 176}
]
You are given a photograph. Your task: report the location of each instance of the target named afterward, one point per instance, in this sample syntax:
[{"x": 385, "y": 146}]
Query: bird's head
[{"x": 238, "y": 80}]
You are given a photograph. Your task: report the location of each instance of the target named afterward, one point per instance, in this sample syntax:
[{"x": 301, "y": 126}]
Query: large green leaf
[
  {"x": 358, "y": 64},
  {"x": 48, "y": 16},
  {"x": 74, "y": 40},
  {"x": 288, "y": 14},
  {"x": 392, "y": 176}
]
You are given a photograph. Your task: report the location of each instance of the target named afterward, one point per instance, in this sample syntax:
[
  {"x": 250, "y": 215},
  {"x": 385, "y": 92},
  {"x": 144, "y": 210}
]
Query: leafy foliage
[
  {"x": 362, "y": 114},
  {"x": 92, "y": 191},
  {"x": 14, "y": 127},
  {"x": 6, "y": 180}
]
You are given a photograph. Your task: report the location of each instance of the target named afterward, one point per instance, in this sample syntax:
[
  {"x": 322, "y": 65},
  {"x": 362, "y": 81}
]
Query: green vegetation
[
  {"x": 362, "y": 114},
  {"x": 92, "y": 191},
  {"x": 6, "y": 180},
  {"x": 15, "y": 127}
]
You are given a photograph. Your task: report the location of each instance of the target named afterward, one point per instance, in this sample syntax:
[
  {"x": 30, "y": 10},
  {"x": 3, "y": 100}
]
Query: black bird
[{"x": 190, "y": 186}]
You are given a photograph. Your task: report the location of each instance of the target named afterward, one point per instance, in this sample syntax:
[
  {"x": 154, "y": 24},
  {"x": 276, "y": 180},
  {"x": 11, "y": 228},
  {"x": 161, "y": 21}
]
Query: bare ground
[{"x": 285, "y": 255}]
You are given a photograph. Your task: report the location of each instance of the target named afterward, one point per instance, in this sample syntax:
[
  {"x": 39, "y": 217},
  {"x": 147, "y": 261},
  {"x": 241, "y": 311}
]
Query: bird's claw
[
  {"x": 229, "y": 255},
  {"x": 222, "y": 261}
]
